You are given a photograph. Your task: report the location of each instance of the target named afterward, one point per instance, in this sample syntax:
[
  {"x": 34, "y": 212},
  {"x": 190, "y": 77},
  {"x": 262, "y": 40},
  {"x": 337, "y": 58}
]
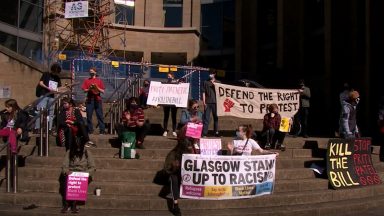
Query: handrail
[{"x": 11, "y": 171}]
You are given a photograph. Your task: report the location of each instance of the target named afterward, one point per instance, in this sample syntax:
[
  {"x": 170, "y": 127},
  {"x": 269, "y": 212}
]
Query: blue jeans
[
  {"x": 211, "y": 107},
  {"x": 51, "y": 111},
  {"x": 98, "y": 107}
]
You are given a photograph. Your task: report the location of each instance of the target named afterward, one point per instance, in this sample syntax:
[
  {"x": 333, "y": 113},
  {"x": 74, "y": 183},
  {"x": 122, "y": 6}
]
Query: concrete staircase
[{"x": 127, "y": 187}]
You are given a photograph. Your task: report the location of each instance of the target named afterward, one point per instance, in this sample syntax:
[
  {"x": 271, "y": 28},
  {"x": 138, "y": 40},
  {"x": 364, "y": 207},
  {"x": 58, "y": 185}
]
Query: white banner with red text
[
  {"x": 253, "y": 103},
  {"x": 227, "y": 177}
]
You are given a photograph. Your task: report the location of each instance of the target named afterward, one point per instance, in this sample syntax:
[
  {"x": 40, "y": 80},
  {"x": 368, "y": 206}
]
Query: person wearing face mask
[
  {"x": 347, "y": 123},
  {"x": 143, "y": 94},
  {"x": 133, "y": 120},
  {"x": 170, "y": 108},
  {"x": 77, "y": 159},
  {"x": 70, "y": 125},
  {"x": 271, "y": 125},
  {"x": 94, "y": 87},
  {"x": 46, "y": 88},
  {"x": 14, "y": 123},
  {"x": 192, "y": 114},
  {"x": 209, "y": 102},
  {"x": 244, "y": 144}
]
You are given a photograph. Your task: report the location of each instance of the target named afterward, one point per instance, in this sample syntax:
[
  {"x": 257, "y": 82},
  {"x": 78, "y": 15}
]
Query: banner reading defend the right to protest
[
  {"x": 253, "y": 103},
  {"x": 227, "y": 177}
]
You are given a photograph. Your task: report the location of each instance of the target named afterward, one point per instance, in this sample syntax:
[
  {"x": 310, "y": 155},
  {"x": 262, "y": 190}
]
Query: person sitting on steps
[{"x": 271, "y": 125}]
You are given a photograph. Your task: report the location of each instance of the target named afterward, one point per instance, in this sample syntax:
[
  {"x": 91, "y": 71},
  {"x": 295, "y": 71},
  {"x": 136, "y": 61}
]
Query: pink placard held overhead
[{"x": 77, "y": 186}]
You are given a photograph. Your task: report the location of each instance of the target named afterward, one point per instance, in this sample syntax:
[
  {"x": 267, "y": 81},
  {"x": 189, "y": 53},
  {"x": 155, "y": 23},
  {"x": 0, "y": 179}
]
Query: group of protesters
[{"x": 74, "y": 124}]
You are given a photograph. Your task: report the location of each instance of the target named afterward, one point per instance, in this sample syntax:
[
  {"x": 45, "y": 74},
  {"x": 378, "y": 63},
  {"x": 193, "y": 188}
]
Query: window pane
[
  {"x": 30, "y": 49},
  {"x": 31, "y": 17},
  {"x": 8, "y": 12},
  {"x": 173, "y": 13},
  {"x": 8, "y": 41},
  {"x": 124, "y": 14}
]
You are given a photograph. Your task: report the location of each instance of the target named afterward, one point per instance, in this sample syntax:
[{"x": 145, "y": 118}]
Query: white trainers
[
  {"x": 174, "y": 134},
  {"x": 165, "y": 133}
]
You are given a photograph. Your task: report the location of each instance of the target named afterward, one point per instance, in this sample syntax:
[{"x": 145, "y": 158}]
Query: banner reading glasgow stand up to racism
[
  {"x": 253, "y": 103},
  {"x": 349, "y": 163},
  {"x": 227, "y": 177}
]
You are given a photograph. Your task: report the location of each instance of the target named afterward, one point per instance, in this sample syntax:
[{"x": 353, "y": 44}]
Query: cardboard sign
[
  {"x": 76, "y": 9},
  {"x": 349, "y": 163},
  {"x": 253, "y": 103},
  {"x": 168, "y": 94},
  {"x": 77, "y": 186},
  {"x": 227, "y": 177},
  {"x": 194, "y": 130},
  {"x": 210, "y": 146},
  {"x": 285, "y": 124}
]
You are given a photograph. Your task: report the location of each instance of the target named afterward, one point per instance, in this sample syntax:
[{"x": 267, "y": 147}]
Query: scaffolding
[{"x": 90, "y": 35}]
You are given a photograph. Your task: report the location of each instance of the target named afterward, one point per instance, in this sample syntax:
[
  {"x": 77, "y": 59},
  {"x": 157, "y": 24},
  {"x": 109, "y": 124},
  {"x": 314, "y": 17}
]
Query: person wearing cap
[
  {"x": 348, "y": 124},
  {"x": 305, "y": 96},
  {"x": 48, "y": 85},
  {"x": 94, "y": 87}
]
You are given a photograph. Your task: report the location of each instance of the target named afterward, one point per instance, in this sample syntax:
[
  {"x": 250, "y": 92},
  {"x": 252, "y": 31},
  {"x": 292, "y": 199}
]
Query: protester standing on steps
[
  {"x": 46, "y": 88},
  {"x": 170, "y": 108},
  {"x": 271, "y": 126},
  {"x": 244, "y": 144},
  {"x": 347, "y": 123},
  {"x": 209, "y": 103},
  {"x": 77, "y": 159},
  {"x": 94, "y": 87},
  {"x": 143, "y": 94},
  {"x": 70, "y": 125},
  {"x": 302, "y": 114},
  {"x": 14, "y": 123},
  {"x": 172, "y": 166}
]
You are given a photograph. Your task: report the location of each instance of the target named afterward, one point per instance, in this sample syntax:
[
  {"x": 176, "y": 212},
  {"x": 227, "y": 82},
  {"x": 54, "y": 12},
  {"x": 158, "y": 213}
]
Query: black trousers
[
  {"x": 173, "y": 111},
  {"x": 272, "y": 136}
]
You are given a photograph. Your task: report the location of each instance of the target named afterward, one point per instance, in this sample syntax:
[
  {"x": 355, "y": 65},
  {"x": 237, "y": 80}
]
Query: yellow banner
[
  {"x": 62, "y": 57},
  {"x": 163, "y": 69},
  {"x": 115, "y": 63},
  {"x": 285, "y": 124},
  {"x": 173, "y": 68}
]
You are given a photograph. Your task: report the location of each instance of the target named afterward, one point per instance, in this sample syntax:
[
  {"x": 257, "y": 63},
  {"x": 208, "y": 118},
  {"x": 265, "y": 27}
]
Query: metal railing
[{"x": 11, "y": 170}]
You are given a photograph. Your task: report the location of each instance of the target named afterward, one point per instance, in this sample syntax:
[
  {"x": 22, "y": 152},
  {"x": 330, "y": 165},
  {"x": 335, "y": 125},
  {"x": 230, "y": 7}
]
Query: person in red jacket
[
  {"x": 271, "y": 125},
  {"x": 94, "y": 87}
]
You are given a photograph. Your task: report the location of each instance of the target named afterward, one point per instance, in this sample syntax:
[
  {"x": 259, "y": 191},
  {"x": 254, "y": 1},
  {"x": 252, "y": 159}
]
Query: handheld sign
[
  {"x": 349, "y": 163},
  {"x": 210, "y": 146},
  {"x": 77, "y": 186},
  {"x": 168, "y": 94}
]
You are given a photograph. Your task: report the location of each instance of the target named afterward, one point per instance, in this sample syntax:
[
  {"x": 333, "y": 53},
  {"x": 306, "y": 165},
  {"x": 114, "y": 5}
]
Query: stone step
[
  {"x": 156, "y": 203},
  {"x": 150, "y": 189},
  {"x": 354, "y": 207},
  {"x": 162, "y": 153},
  {"x": 154, "y": 164},
  {"x": 140, "y": 175}
]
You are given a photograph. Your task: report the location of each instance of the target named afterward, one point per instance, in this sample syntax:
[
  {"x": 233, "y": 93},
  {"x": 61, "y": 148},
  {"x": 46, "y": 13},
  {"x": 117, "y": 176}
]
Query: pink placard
[
  {"x": 77, "y": 186},
  {"x": 194, "y": 130}
]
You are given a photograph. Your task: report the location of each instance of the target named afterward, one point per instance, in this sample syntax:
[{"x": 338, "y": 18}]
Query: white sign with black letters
[{"x": 76, "y": 9}]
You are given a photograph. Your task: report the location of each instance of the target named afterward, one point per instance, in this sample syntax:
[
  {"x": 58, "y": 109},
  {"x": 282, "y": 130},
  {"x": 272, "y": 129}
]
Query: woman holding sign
[
  {"x": 192, "y": 114},
  {"x": 271, "y": 128},
  {"x": 77, "y": 159},
  {"x": 244, "y": 144}
]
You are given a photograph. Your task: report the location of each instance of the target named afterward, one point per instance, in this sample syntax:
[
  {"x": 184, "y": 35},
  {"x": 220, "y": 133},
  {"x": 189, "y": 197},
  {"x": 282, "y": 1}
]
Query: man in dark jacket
[{"x": 348, "y": 125}]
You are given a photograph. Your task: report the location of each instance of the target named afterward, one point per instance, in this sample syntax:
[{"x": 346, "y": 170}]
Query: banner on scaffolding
[
  {"x": 216, "y": 177},
  {"x": 168, "y": 94},
  {"x": 253, "y": 103},
  {"x": 76, "y": 9}
]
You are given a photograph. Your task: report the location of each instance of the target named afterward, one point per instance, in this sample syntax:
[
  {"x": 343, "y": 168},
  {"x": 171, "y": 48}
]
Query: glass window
[
  {"x": 125, "y": 12},
  {"x": 9, "y": 41},
  {"x": 30, "y": 49},
  {"x": 8, "y": 12},
  {"x": 173, "y": 13},
  {"x": 31, "y": 16}
]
